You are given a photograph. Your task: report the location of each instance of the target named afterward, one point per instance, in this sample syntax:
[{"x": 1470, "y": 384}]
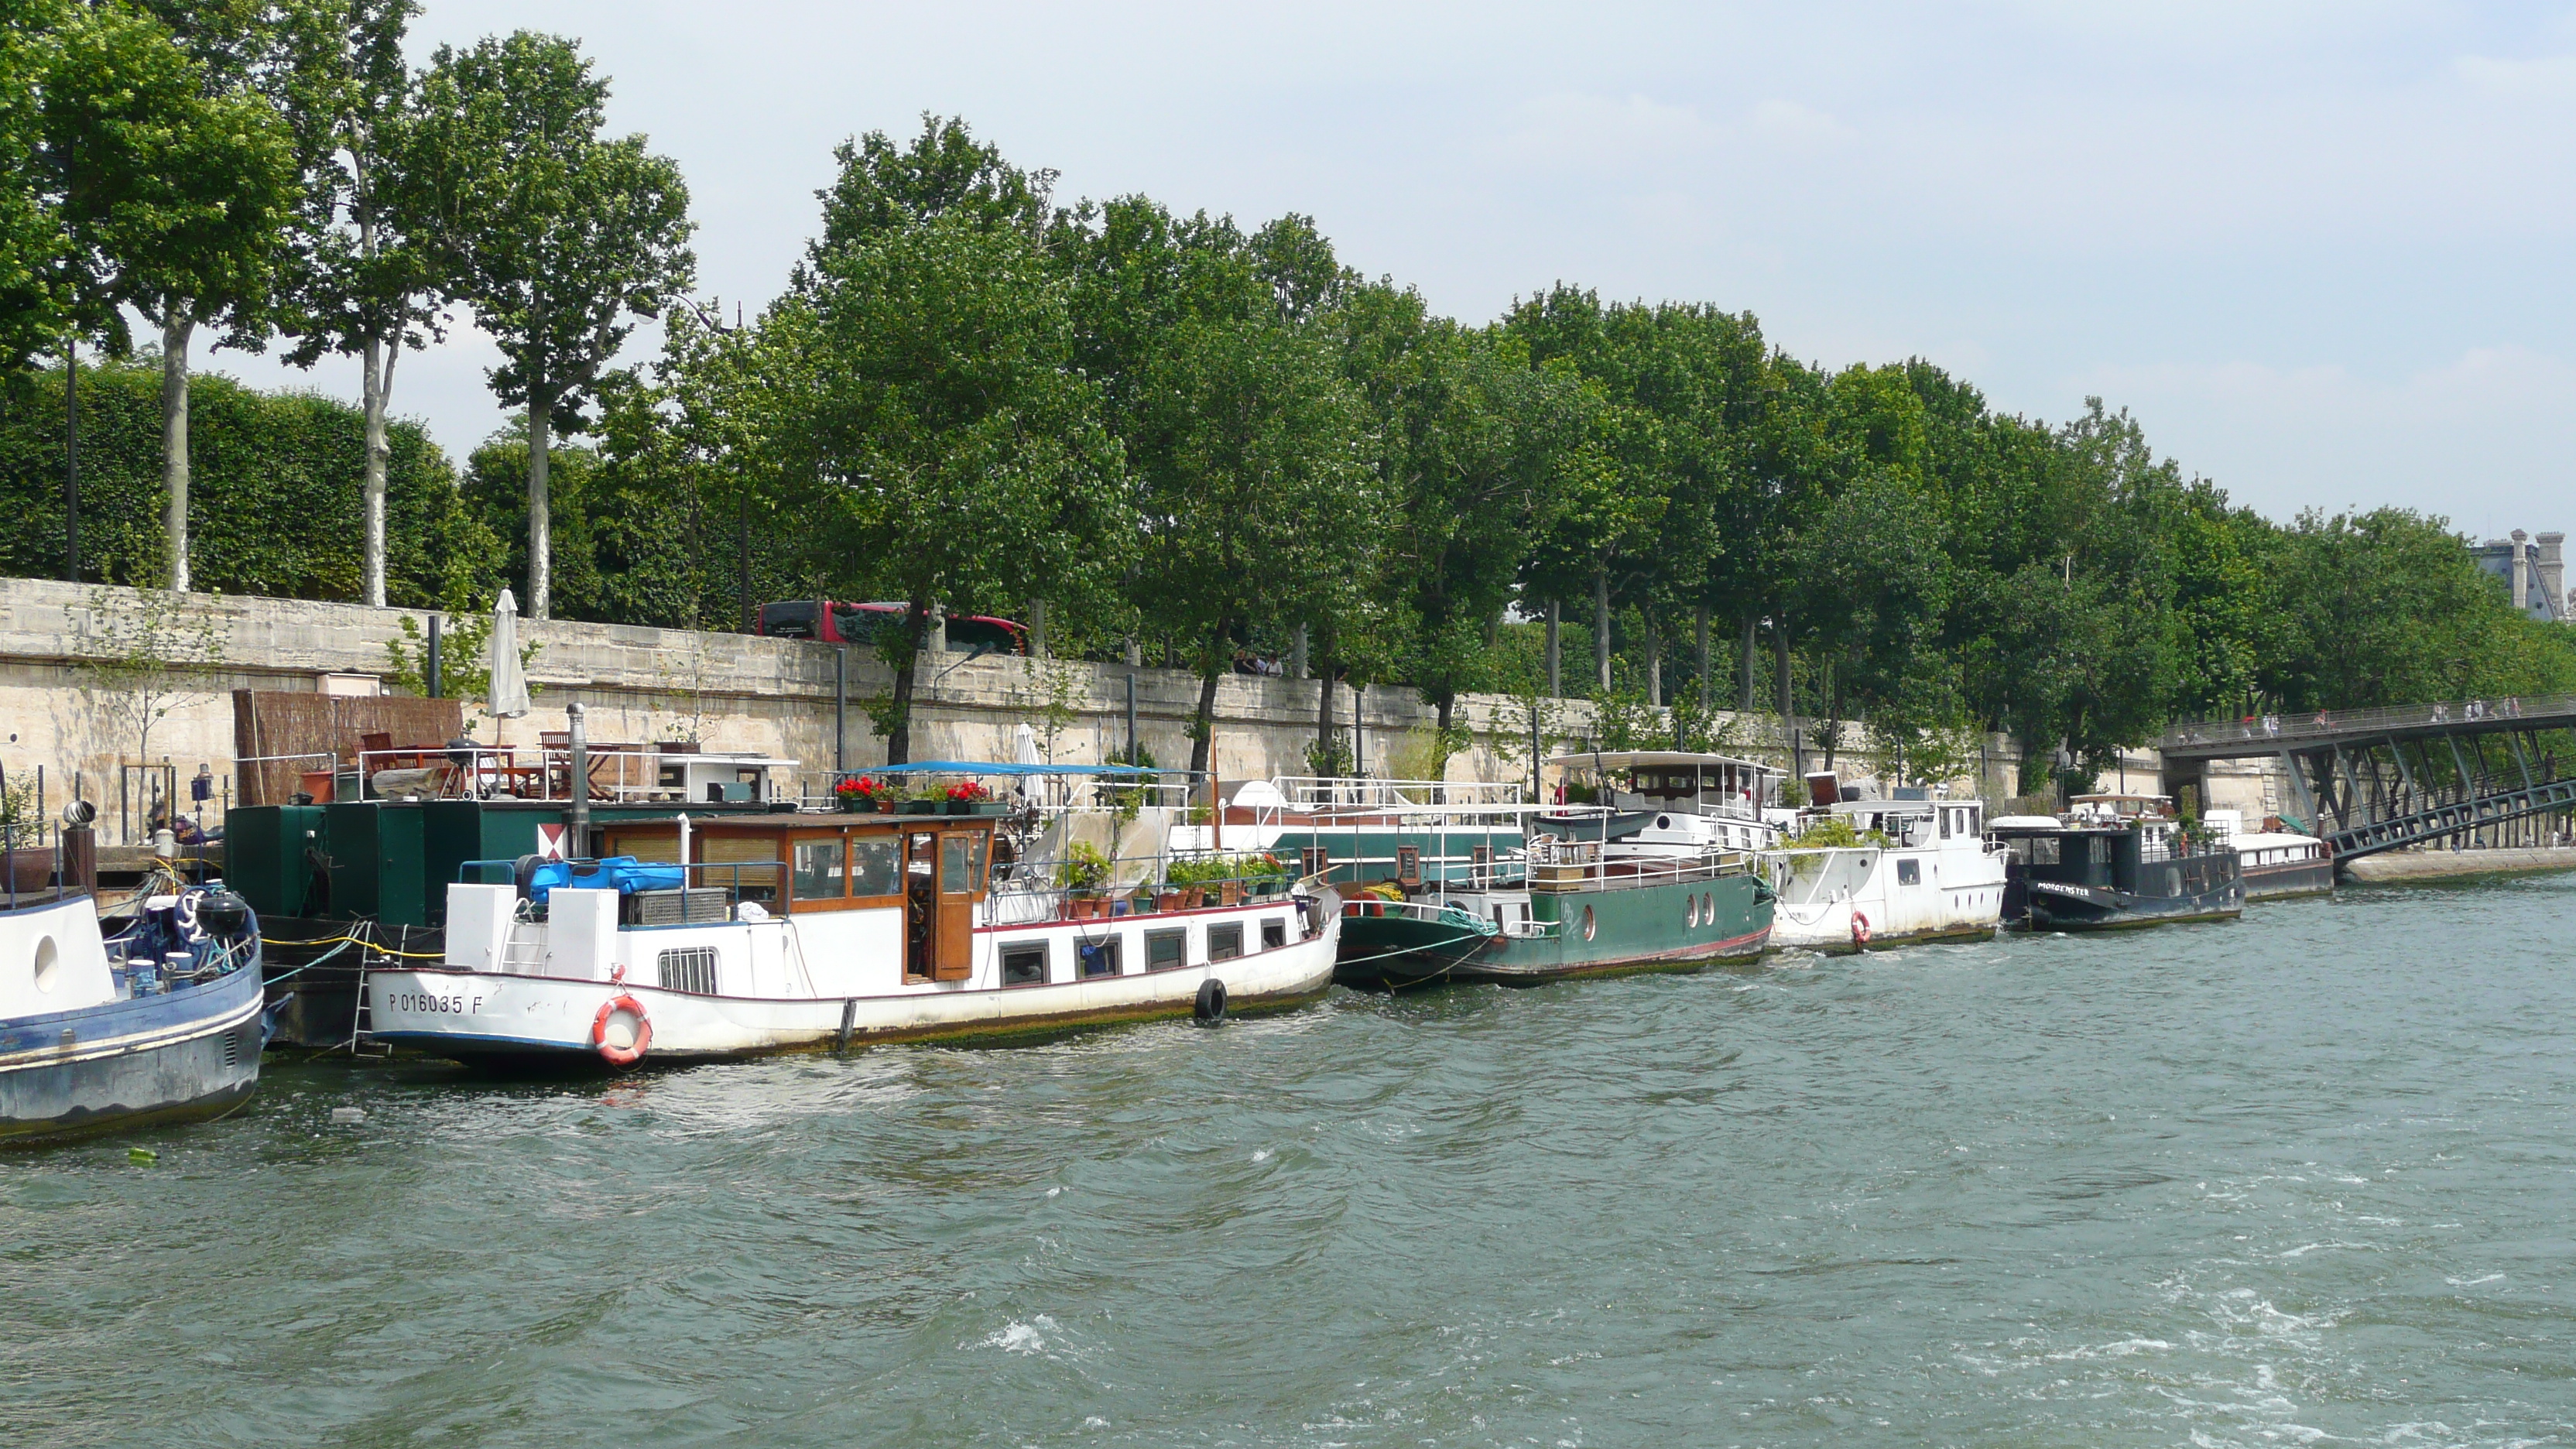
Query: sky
[{"x": 2321, "y": 251}]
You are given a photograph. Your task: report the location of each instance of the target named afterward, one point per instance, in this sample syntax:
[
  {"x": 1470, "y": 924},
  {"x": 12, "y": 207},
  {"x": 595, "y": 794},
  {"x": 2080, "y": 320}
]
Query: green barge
[{"x": 1571, "y": 912}]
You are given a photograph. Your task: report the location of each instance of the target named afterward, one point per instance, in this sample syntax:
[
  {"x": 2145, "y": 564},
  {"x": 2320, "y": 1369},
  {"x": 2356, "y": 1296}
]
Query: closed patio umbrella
[{"x": 509, "y": 682}]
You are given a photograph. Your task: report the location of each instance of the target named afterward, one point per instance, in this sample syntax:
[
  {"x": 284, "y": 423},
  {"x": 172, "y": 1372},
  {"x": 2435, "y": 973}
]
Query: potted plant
[
  {"x": 1174, "y": 893},
  {"x": 32, "y": 861},
  {"x": 925, "y": 799},
  {"x": 969, "y": 797},
  {"x": 1268, "y": 873},
  {"x": 861, "y": 794},
  {"x": 1081, "y": 874}
]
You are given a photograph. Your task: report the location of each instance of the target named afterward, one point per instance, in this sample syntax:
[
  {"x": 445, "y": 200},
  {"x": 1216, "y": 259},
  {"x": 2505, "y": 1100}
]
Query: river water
[{"x": 2303, "y": 1178}]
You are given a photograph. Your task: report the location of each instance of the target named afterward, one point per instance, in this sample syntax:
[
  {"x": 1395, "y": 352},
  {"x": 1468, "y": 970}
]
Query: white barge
[
  {"x": 798, "y": 932},
  {"x": 1927, "y": 874}
]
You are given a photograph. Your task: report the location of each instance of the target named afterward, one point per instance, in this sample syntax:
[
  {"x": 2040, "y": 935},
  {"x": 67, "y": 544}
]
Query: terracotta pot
[
  {"x": 1196, "y": 897},
  {"x": 1169, "y": 900},
  {"x": 32, "y": 868}
]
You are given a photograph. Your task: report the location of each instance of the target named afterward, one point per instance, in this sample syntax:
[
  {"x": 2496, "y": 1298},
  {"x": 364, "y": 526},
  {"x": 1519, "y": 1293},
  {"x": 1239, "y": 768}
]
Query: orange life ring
[
  {"x": 617, "y": 1056},
  {"x": 1860, "y": 934}
]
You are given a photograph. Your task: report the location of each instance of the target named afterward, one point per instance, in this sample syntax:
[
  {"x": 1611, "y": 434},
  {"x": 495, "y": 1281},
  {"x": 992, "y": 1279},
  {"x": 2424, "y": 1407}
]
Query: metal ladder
[{"x": 362, "y": 1021}]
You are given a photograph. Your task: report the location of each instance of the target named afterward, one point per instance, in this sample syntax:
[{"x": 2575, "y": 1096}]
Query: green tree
[
  {"x": 1257, "y": 497},
  {"x": 273, "y": 469},
  {"x": 367, "y": 278},
  {"x": 935, "y": 432},
  {"x": 34, "y": 304},
  {"x": 179, "y": 181},
  {"x": 559, "y": 238}
]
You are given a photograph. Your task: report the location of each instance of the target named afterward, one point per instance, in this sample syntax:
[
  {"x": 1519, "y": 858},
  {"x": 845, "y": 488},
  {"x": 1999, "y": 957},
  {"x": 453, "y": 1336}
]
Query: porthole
[
  {"x": 49, "y": 963},
  {"x": 1690, "y": 909},
  {"x": 1663, "y": 822},
  {"x": 1588, "y": 926}
]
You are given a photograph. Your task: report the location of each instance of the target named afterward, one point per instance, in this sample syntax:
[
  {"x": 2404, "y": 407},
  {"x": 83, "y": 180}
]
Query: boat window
[
  {"x": 1274, "y": 932},
  {"x": 756, "y": 855},
  {"x": 819, "y": 873},
  {"x": 1024, "y": 965},
  {"x": 1097, "y": 958},
  {"x": 2044, "y": 850},
  {"x": 1225, "y": 942},
  {"x": 872, "y": 867},
  {"x": 1166, "y": 949},
  {"x": 1909, "y": 872},
  {"x": 1945, "y": 823},
  {"x": 692, "y": 970},
  {"x": 2099, "y": 851},
  {"x": 1588, "y": 925},
  {"x": 953, "y": 865},
  {"x": 977, "y": 846}
]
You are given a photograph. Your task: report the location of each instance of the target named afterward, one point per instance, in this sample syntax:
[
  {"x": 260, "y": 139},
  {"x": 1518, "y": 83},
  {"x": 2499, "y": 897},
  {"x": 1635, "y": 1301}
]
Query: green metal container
[{"x": 265, "y": 855}]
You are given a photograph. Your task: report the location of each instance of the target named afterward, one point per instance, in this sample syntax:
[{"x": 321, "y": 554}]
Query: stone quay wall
[{"x": 58, "y": 710}]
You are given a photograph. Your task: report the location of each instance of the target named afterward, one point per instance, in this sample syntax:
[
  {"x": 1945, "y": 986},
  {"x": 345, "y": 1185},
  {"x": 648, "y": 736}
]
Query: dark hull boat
[
  {"x": 159, "y": 1021},
  {"x": 2103, "y": 879}
]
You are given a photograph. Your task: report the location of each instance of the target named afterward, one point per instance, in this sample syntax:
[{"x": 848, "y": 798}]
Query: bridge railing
[{"x": 2288, "y": 731}]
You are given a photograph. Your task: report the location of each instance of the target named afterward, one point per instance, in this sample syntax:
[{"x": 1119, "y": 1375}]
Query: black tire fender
[{"x": 1209, "y": 1008}]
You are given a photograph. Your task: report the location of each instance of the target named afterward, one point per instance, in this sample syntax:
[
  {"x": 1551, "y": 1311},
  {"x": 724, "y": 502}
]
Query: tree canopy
[{"x": 1170, "y": 435}]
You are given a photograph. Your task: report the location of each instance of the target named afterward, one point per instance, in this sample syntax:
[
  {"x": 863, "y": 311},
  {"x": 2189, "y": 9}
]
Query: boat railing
[
  {"x": 1569, "y": 865},
  {"x": 615, "y": 774},
  {"x": 1306, "y": 793}
]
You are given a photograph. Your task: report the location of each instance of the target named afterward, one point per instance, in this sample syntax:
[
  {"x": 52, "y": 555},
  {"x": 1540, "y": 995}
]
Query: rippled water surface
[{"x": 2305, "y": 1178}]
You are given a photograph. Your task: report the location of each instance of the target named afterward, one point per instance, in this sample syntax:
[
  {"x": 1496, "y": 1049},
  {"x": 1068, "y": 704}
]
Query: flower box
[{"x": 922, "y": 807}]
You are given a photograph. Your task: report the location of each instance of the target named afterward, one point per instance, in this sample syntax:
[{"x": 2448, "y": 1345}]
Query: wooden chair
[{"x": 554, "y": 751}]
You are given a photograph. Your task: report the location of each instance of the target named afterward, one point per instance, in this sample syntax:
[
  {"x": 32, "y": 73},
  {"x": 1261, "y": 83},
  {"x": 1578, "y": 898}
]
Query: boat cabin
[
  {"x": 1672, "y": 781},
  {"x": 936, "y": 868},
  {"x": 1916, "y": 822}
]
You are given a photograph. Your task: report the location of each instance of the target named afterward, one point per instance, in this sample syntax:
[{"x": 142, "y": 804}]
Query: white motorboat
[
  {"x": 1923, "y": 873},
  {"x": 789, "y": 932},
  {"x": 2276, "y": 863}
]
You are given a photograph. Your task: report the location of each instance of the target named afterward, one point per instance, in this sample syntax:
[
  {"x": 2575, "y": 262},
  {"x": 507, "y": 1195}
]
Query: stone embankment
[
  {"x": 780, "y": 697},
  {"x": 2408, "y": 865}
]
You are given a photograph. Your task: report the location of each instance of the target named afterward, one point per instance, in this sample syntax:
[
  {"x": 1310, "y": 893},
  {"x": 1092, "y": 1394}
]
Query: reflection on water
[{"x": 2302, "y": 1178}]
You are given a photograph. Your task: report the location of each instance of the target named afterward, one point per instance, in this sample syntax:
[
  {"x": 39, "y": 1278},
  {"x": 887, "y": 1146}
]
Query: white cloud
[
  {"x": 1597, "y": 130},
  {"x": 1790, "y": 120}
]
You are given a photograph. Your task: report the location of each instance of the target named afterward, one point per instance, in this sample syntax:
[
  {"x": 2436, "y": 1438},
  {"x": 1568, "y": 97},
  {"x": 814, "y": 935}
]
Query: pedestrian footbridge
[{"x": 2377, "y": 779}]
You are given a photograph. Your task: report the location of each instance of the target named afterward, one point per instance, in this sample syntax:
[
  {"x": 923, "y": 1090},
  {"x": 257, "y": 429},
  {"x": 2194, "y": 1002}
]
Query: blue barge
[{"x": 152, "y": 1018}]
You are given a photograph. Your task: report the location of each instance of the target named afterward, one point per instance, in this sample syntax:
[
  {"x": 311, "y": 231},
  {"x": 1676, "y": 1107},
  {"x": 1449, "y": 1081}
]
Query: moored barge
[
  {"x": 2098, "y": 871},
  {"x": 798, "y": 932}
]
